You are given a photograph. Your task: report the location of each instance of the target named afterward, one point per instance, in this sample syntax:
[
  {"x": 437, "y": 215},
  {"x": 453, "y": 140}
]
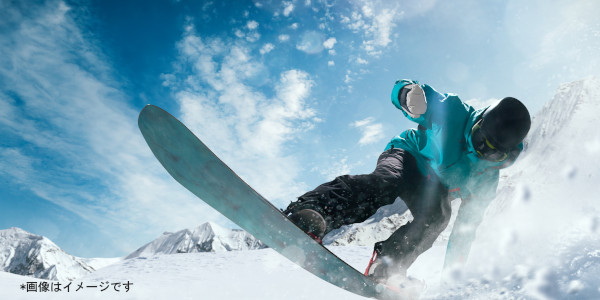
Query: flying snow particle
[
  {"x": 507, "y": 240},
  {"x": 595, "y": 222},
  {"x": 296, "y": 252},
  {"x": 575, "y": 286},
  {"x": 523, "y": 194},
  {"x": 569, "y": 172}
]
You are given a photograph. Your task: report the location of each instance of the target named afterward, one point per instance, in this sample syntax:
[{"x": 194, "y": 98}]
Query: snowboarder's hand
[{"x": 413, "y": 101}]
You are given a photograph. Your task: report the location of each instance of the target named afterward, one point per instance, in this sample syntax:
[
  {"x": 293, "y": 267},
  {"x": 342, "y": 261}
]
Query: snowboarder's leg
[
  {"x": 353, "y": 198},
  {"x": 431, "y": 211}
]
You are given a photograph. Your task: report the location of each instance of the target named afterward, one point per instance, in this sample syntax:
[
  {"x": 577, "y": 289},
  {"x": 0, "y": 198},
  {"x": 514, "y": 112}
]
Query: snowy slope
[
  {"x": 540, "y": 237},
  {"x": 101, "y": 262},
  {"x": 259, "y": 274},
  {"x": 27, "y": 254},
  {"x": 208, "y": 237}
]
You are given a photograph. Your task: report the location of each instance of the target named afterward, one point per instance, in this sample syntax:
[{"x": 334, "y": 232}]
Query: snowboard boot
[
  {"x": 310, "y": 222},
  {"x": 378, "y": 266}
]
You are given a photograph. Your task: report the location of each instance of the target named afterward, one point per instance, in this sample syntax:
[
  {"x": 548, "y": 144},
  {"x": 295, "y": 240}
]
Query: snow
[
  {"x": 99, "y": 263},
  {"x": 256, "y": 274},
  {"x": 539, "y": 239}
]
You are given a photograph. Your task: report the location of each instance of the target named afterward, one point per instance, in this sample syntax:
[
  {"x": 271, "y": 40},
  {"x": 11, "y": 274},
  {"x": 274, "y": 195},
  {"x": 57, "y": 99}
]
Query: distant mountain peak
[
  {"x": 208, "y": 237},
  {"x": 24, "y": 253}
]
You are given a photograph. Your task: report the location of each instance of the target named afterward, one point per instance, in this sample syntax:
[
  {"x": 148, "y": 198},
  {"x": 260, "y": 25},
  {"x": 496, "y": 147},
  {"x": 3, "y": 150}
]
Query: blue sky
[{"x": 288, "y": 93}]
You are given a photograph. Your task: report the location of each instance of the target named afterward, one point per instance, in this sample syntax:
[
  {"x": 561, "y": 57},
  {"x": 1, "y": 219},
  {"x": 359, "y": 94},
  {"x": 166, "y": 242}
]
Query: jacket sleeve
[
  {"x": 470, "y": 215},
  {"x": 434, "y": 102}
]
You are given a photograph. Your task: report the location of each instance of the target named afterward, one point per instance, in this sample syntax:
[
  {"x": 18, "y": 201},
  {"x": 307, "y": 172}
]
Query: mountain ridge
[
  {"x": 208, "y": 237},
  {"x": 33, "y": 255}
]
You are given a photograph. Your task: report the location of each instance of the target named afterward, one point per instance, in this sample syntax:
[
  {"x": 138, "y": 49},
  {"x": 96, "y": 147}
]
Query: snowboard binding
[{"x": 310, "y": 222}]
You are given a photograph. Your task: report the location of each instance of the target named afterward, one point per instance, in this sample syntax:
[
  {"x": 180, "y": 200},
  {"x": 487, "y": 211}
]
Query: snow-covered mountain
[
  {"x": 208, "y": 237},
  {"x": 28, "y": 254},
  {"x": 376, "y": 228},
  {"x": 32, "y": 255}
]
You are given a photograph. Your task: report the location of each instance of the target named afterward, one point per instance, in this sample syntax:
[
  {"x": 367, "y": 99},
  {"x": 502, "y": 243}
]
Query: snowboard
[{"x": 199, "y": 170}]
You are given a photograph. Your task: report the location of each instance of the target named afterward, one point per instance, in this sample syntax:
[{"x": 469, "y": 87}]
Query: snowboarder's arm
[
  {"x": 417, "y": 101},
  {"x": 470, "y": 215},
  {"x": 463, "y": 233}
]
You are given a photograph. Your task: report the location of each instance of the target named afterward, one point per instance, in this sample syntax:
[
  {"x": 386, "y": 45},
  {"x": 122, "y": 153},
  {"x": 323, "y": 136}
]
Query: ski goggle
[{"x": 484, "y": 148}]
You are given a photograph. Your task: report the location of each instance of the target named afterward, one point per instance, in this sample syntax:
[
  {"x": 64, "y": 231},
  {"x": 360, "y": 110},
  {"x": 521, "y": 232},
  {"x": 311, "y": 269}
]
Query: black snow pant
[{"x": 354, "y": 198}]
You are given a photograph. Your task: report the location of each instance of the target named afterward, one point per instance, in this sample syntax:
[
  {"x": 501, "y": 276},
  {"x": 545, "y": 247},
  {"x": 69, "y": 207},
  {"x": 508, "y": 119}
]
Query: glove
[{"x": 413, "y": 101}]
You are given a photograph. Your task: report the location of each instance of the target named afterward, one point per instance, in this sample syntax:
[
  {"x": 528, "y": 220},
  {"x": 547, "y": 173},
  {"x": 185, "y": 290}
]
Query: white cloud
[
  {"x": 253, "y": 37},
  {"x": 288, "y": 8},
  {"x": 329, "y": 43},
  {"x": 311, "y": 42},
  {"x": 331, "y": 63},
  {"x": 348, "y": 77},
  {"x": 337, "y": 168},
  {"x": 250, "y": 36},
  {"x": 16, "y": 165},
  {"x": 376, "y": 20},
  {"x": 361, "y": 61},
  {"x": 239, "y": 33},
  {"x": 283, "y": 37},
  {"x": 371, "y": 132},
  {"x": 252, "y": 25},
  {"x": 246, "y": 128},
  {"x": 266, "y": 48}
]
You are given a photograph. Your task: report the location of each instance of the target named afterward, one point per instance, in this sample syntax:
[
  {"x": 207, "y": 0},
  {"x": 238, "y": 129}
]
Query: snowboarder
[{"x": 456, "y": 152}]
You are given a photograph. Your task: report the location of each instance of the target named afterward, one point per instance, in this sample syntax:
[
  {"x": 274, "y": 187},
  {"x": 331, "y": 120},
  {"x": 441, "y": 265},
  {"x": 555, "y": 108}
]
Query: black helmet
[{"x": 501, "y": 128}]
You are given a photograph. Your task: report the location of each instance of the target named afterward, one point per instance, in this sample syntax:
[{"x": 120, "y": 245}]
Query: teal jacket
[{"x": 442, "y": 146}]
